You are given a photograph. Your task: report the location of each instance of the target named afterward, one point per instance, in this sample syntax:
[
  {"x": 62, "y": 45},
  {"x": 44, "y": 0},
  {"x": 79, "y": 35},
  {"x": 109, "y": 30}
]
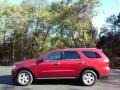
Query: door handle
[
  {"x": 58, "y": 63},
  {"x": 82, "y": 62}
]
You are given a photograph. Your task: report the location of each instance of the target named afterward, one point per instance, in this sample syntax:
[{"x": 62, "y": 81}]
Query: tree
[
  {"x": 110, "y": 40},
  {"x": 35, "y": 27},
  {"x": 73, "y": 21}
]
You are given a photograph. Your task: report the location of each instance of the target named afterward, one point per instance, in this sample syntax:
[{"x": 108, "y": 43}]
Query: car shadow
[
  {"x": 58, "y": 82},
  {"x": 7, "y": 80}
]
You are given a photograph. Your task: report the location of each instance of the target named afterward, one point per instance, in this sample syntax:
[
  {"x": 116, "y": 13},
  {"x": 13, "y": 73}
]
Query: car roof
[{"x": 82, "y": 49}]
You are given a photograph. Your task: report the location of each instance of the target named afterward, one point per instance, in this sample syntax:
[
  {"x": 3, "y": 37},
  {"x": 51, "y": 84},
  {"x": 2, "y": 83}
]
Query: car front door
[{"x": 49, "y": 67}]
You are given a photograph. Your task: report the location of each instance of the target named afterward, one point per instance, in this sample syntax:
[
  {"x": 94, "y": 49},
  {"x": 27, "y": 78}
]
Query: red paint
[{"x": 64, "y": 68}]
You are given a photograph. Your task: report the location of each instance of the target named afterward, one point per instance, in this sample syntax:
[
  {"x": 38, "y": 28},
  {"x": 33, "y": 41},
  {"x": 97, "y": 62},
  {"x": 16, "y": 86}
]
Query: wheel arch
[
  {"x": 89, "y": 68},
  {"x": 34, "y": 79}
]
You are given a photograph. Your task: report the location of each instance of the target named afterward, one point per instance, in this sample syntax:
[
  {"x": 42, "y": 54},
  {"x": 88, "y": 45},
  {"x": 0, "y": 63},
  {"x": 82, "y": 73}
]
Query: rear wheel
[
  {"x": 88, "y": 78},
  {"x": 24, "y": 78}
]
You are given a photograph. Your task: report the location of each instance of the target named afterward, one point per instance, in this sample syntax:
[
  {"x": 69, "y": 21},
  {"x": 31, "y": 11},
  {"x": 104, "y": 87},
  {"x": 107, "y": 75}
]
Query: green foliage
[{"x": 35, "y": 27}]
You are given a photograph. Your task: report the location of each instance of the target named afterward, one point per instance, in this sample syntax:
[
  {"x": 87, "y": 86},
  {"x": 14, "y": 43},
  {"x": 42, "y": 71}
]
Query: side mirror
[{"x": 39, "y": 60}]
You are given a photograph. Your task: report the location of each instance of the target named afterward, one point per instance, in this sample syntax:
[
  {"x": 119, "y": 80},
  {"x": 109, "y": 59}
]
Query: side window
[
  {"x": 71, "y": 55},
  {"x": 91, "y": 54},
  {"x": 54, "y": 56}
]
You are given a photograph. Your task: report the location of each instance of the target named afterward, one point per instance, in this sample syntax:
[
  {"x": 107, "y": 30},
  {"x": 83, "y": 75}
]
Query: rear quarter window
[{"x": 91, "y": 54}]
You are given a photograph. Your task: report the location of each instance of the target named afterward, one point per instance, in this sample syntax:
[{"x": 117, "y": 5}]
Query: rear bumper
[{"x": 105, "y": 72}]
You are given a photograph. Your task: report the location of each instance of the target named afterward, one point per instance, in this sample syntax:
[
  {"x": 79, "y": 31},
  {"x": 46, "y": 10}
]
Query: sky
[
  {"x": 16, "y": 1},
  {"x": 106, "y": 9}
]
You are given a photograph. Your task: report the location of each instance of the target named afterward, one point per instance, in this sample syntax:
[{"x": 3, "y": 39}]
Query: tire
[
  {"x": 24, "y": 78},
  {"x": 88, "y": 78}
]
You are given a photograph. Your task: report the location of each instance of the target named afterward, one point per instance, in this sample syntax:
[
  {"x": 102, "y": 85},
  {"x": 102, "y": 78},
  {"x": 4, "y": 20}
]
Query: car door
[
  {"x": 70, "y": 65},
  {"x": 49, "y": 67}
]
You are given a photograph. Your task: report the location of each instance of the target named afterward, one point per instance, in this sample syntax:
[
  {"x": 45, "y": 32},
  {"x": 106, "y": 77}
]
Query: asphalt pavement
[{"x": 110, "y": 83}]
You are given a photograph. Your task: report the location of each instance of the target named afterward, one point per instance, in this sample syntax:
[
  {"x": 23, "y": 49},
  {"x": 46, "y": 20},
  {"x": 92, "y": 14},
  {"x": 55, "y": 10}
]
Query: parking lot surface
[{"x": 110, "y": 83}]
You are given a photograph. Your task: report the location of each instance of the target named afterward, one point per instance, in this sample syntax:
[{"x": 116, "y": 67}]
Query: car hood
[{"x": 28, "y": 62}]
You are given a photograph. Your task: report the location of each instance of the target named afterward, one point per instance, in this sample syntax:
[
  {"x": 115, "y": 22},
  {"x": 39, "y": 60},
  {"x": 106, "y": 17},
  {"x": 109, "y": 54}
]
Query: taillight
[{"x": 106, "y": 60}]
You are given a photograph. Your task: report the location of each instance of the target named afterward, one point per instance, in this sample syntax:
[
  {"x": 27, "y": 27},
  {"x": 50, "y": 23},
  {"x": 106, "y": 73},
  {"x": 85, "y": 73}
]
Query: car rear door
[{"x": 70, "y": 65}]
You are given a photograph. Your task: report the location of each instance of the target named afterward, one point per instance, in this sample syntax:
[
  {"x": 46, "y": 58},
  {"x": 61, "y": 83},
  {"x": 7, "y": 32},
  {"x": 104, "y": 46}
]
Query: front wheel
[
  {"x": 24, "y": 78},
  {"x": 88, "y": 78}
]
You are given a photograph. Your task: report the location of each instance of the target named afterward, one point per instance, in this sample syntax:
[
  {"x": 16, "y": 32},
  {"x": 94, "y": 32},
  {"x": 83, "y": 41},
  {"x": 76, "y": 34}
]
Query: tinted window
[
  {"x": 70, "y": 55},
  {"x": 91, "y": 54},
  {"x": 53, "y": 56}
]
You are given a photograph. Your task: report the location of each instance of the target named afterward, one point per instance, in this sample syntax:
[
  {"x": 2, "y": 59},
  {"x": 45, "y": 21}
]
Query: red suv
[{"x": 85, "y": 64}]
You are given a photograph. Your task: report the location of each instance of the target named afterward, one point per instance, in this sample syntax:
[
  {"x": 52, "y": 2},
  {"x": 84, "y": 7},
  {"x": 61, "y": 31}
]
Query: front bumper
[{"x": 14, "y": 73}]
